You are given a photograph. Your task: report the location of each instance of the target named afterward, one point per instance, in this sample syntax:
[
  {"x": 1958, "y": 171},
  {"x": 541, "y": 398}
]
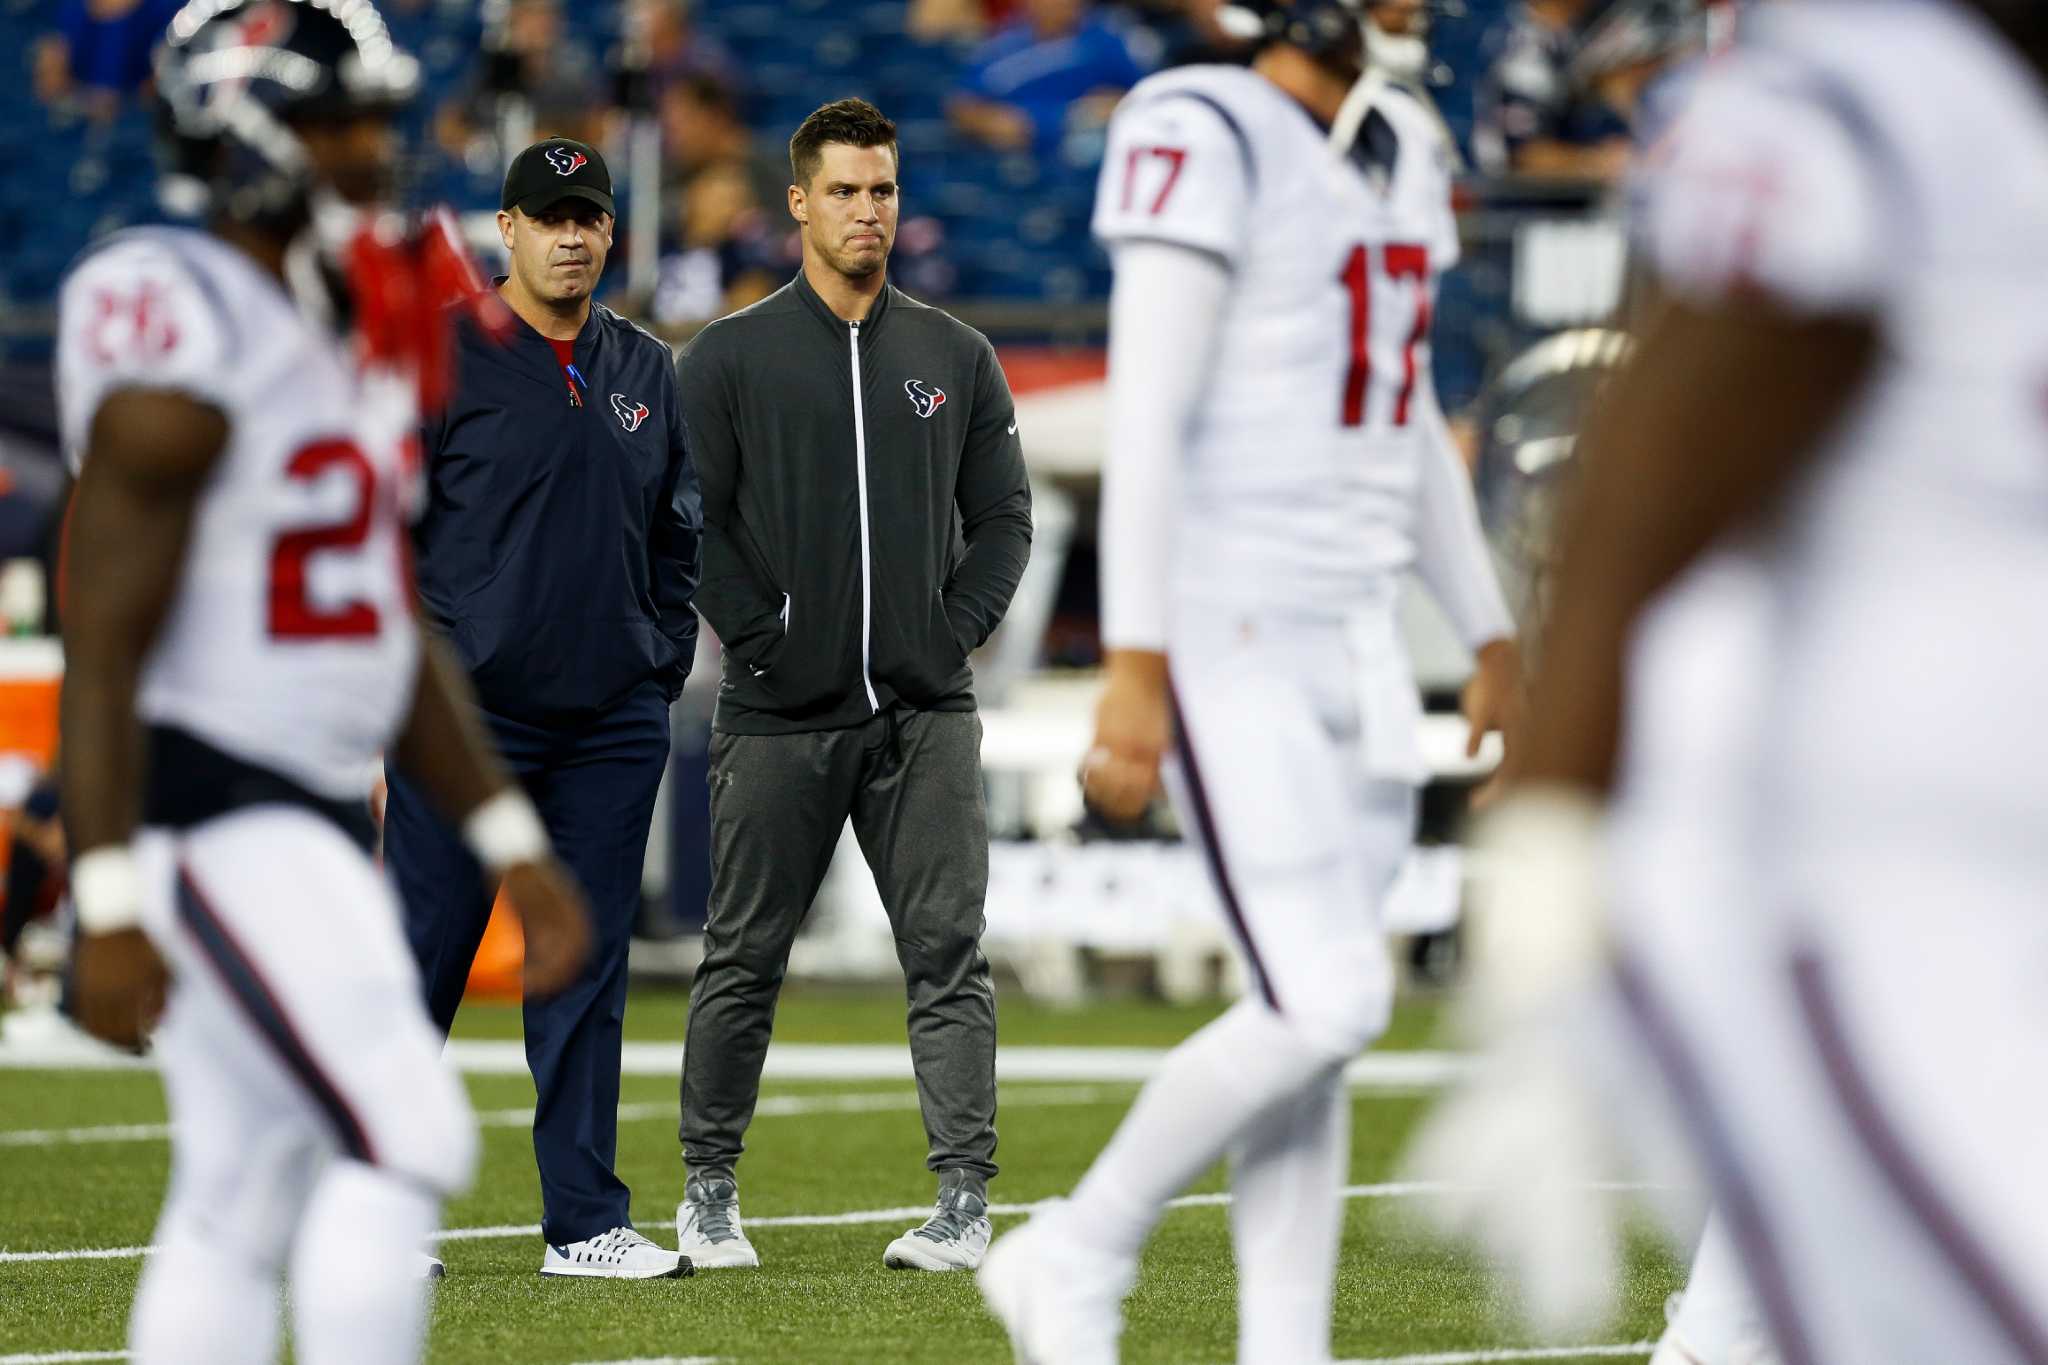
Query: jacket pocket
[
  {"x": 801, "y": 671},
  {"x": 933, "y": 668}
]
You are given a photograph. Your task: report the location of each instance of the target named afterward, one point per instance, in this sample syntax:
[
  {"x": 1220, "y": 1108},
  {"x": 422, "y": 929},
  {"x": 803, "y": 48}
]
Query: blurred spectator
[
  {"x": 676, "y": 51},
  {"x": 34, "y": 879},
  {"x": 532, "y": 58},
  {"x": 701, "y": 126},
  {"x": 1167, "y": 33},
  {"x": 100, "y": 51},
  {"x": 934, "y": 21},
  {"x": 1532, "y": 118},
  {"x": 1057, "y": 68},
  {"x": 727, "y": 257}
]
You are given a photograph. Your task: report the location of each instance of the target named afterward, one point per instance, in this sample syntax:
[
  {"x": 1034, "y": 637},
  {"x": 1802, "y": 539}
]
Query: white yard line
[
  {"x": 1624, "y": 1351},
  {"x": 1511, "y": 1353},
  {"x": 1392, "y": 1189},
  {"x": 816, "y": 1062},
  {"x": 775, "y": 1106}
]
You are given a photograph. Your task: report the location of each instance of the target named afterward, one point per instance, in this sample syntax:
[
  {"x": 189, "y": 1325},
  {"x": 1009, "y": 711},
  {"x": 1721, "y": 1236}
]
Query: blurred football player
[
  {"x": 1277, "y": 461},
  {"x": 239, "y": 406},
  {"x": 1845, "y": 400}
]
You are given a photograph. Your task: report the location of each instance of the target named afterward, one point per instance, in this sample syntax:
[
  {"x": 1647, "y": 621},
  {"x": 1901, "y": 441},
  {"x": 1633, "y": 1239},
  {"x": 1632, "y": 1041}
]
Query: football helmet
[
  {"x": 1341, "y": 33},
  {"x": 233, "y": 77}
]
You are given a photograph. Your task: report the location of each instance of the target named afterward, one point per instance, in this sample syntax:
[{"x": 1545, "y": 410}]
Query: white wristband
[
  {"x": 106, "y": 890},
  {"x": 506, "y": 830}
]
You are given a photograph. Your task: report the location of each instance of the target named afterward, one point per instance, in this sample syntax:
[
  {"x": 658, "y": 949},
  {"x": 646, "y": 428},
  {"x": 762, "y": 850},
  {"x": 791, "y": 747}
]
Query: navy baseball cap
[{"x": 556, "y": 169}]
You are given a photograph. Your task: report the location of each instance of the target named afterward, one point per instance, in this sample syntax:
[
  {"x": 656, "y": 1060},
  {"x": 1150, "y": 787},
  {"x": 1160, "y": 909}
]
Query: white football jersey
[
  {"x": 1890, "y": 162},
  {"x": 1299, "y": 487},
  {"x": 291, "y": 644}
]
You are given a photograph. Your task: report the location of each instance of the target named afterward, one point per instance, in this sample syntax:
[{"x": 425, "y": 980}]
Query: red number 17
[
  {"x": 1174, "y": 157},
  {"x": 1398, "y": 260}
]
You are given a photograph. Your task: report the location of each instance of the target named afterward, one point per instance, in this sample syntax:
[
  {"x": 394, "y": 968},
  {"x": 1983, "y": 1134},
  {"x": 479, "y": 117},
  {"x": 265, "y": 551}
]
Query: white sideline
[
  {"x": 812, "y": 1062},
  {"x": 775, "y": 1106},
  {"x": 1620, "y": 1350},
  {"x": 1390, "y": 1189},
  {"x": 1630, "y": 1349},
  {"x": 1509, "y": 1353}
]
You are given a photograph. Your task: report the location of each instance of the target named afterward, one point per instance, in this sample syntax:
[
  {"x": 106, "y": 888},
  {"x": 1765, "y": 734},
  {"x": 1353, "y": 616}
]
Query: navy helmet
[
  {"x": 1328, "y": 30},
  {"x": 1335, "y": 32},
  {"x": 233, "y": 79}
]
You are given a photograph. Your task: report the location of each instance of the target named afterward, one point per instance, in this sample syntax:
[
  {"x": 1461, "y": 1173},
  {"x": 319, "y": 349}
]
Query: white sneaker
[
  {"x": 1061, "y": 1301},
  {"x": 708, "y": 1227},
  {"x": 953, "y": 1238},
  {"x": 1749, "y": 1347},
  {"x": 621, "y": 1254}
]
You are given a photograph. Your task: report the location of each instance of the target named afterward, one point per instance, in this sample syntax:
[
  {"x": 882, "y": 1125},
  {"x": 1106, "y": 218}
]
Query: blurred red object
[{"x": 410, "y": 283}]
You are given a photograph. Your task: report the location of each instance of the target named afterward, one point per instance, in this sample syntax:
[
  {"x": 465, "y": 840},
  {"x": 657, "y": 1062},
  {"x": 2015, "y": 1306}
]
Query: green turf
[
  {"x": 841, "y": 1015},
  {"x": 823, "y": 1295}
]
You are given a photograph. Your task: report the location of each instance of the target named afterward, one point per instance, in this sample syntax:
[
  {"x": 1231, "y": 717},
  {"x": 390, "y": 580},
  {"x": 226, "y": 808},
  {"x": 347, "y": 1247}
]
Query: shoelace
[
  {"x": 613, "y": 1245},
  {"x": 948, "y": 1223},
  {"x": 714, "y": 1219}
]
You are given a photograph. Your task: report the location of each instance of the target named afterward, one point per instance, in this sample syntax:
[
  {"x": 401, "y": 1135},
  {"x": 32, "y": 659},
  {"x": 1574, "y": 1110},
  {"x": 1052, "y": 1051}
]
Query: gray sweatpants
[{"x": 911, "y": 782}]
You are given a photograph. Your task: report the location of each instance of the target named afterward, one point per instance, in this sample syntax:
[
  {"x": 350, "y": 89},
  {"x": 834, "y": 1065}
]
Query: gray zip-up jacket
[{"x": 866, "y": 510}]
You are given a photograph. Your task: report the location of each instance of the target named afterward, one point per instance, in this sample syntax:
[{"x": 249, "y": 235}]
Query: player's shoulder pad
[
  {"x": 175, "y": 283},
  {"x": 1416, "y": 126},
  {"x": 1215, "y": 104}
]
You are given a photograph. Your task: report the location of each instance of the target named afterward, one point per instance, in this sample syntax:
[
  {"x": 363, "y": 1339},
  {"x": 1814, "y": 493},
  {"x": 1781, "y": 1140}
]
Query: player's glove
[{"x": 1521, "y": 1144}]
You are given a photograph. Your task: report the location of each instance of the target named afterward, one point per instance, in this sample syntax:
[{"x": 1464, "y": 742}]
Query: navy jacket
[{"x": 562, "y": 543}]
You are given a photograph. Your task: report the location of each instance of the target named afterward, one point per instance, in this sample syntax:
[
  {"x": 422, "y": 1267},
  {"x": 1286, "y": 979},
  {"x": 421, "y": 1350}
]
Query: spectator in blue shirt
[
  {"x": 101, "y": 50},
  {"x": 1056, "y": 68}
]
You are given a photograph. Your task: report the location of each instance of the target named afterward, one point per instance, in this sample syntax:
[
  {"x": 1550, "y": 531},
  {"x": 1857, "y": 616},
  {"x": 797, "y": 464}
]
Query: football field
[{"x": 834, "y": 1169}]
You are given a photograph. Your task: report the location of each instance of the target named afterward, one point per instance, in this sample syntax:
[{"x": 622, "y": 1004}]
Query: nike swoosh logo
[{"x": 1013, "y": 428}]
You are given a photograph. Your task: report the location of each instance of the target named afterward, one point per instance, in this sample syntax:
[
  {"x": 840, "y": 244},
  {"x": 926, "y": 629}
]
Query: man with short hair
[
  {"x": 558, "y": 552},
  {"x": 867, "y": 519},
  {"x": 239, "y": 643}
]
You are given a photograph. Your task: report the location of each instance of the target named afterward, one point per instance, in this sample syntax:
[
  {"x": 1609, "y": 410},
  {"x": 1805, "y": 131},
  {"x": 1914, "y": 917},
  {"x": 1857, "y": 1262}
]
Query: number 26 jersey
[
  {"x": 1299, "y": 481},
  {"x": 291, "y": 642}
]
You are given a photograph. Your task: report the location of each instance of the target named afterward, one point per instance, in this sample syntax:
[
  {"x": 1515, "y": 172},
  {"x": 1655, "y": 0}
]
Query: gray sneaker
[
  {"x": 708, "y": 1226},
  {"x": 953, "y": 1238}
]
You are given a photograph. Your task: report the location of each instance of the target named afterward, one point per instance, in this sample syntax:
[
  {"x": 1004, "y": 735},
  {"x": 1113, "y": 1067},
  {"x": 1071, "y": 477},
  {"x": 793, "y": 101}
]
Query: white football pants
[{"x": 314, "y": 1120}]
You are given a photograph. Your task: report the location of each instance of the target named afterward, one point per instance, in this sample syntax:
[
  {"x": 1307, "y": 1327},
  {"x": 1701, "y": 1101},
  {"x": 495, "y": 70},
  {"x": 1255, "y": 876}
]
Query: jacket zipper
[{"x": 860, "y": 457}]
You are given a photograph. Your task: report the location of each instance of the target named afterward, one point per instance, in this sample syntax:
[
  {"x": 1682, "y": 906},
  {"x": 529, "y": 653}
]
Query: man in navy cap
[{"x": 558, "y": 553}]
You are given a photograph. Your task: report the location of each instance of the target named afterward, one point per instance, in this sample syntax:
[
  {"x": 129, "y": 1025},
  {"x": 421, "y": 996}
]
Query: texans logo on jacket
[
  {"x": 629, "y": 413},
  {"x": 926, "y": 398}
]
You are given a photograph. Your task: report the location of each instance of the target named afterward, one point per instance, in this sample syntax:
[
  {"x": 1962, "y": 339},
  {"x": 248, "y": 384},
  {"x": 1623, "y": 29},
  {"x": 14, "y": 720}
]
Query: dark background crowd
[{"x": 1002, "y": 105}]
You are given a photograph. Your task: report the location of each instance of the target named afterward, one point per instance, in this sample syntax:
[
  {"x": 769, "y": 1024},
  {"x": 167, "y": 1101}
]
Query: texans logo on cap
[
  {"x": 630, "y": 414},
  {"x": 924, "y": 397},
  {"x": 565, "y": 161}
]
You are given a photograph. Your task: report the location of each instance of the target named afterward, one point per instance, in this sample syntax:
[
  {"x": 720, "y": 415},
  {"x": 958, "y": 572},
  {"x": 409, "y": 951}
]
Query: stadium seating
[{"x": 1015, "y": 228}]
